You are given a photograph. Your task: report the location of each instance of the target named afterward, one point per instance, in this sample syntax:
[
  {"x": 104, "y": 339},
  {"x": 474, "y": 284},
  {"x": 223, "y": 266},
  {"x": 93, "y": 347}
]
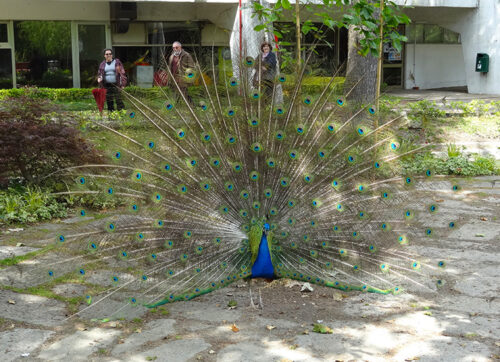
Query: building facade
[{"x": 58, "y": 43}]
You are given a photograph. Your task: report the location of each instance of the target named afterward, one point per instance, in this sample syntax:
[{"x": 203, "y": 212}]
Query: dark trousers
[{"x": 113, "y": 94}]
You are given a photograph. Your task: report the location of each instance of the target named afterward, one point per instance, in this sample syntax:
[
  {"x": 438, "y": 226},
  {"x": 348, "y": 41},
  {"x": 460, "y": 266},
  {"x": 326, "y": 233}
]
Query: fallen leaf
[
  {"x": 270, "y": 327},
  {"x": 337, "y": 296},
  {"x": 440, "y": 200},
  {"x": 484, "y": 219},
  {"x": 306, "y": 331},
  {"x": 211, "y": 351},
  {"x": 321, "y": 328},
  {"x": 11, "y": 301},
  {"x": 234, "y": 328},
  {"x": 480, "y": 235}
]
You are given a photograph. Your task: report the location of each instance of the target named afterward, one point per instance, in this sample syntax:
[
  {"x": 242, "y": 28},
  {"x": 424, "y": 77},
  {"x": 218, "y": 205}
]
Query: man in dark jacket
[
  {"x": 111, "y": 76},
  {"x": 180, "y": 64}
]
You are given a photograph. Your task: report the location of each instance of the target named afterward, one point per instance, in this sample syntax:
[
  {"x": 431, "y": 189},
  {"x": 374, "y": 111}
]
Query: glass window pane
[
  {"x": 415, "y": 32},
  {"x": 450, "y": 37},
  {"x": 91, "y": 43},
  {"x": 433, "y": 34},
  {"x": 186, "y": 33},
  {"x": 3, "y": 33},
  {"x": 5, "y": 69},
  {"x": 43, "y": 53}
]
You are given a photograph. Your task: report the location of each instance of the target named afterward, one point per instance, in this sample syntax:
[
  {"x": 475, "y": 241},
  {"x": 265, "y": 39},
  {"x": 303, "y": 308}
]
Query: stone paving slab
[
  {"x": 175, "y": 351},
  {"x": 32, "y": 309},
  {"x": 79, "y": 345},
  {"x": 264, "y": 351},
  {"x": 211, "y": 313},
  {"x": 21, "y": 342},
  {"x": 152, "y": 332},
  {"x": 13, "y": 251},
  {"x": 114, "y": 307},
  {"x": 69, "y": 290}
]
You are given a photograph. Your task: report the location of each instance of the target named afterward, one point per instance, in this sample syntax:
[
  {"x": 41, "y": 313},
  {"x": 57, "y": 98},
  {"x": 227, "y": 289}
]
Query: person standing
[
  {"x": 178, "y": 63},
  {"x": 265, "y": 70},
  {"x": 111, "y": 76}
]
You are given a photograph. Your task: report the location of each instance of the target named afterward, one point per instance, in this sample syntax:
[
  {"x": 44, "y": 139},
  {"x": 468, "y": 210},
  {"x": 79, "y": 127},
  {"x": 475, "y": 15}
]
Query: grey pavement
[{"x": 458, "y": 322}]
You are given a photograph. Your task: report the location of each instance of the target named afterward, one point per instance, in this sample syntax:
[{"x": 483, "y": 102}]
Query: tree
[{"x": 361, "y": 17}]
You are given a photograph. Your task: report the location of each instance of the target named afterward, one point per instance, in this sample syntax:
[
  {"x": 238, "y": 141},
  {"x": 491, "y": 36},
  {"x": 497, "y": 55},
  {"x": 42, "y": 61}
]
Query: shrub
[
  {"x": 36, "y": 140},
  {"x": 29, "y": 204},
  {"x": 425, "y": 111}
]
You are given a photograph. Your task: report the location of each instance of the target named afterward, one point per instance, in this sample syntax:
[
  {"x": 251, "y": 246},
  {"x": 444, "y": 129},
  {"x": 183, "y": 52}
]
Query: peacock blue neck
[{"x": 263, "y": 266}]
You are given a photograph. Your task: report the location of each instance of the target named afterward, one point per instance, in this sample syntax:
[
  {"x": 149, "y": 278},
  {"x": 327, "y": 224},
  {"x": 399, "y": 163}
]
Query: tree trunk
[{"x": 359, "y": 67}]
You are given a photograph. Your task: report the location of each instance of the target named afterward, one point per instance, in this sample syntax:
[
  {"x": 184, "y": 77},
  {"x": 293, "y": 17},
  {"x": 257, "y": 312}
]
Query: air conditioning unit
[{"x": 121, "y": 14}]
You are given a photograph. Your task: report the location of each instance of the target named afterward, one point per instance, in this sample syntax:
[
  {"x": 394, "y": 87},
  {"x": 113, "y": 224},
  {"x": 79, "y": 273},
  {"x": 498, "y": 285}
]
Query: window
[
  {"x": 168, "y": 32},
  {"x": 43, "y": 53},
  {"x": 3, "y": 33},
  {"x": 431, "y": 34}
]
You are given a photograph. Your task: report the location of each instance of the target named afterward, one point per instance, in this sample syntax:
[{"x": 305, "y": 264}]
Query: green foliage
[
  {"x": 460, "y": 164},
  {"x": 99, "y": 201},
  {"x": 453, "y": 150},
  {"x": 362, "y": 14},
  {"x": 47, "y": 38},
  {"x": 425, "y": 111},
  {"x": 29, "y": 204},
  {"x": 388, "y": 105},
  {"x": 315, "y": 85},
  {"x": 476, "y": 107},
  {"x": 54, "y": 94}
]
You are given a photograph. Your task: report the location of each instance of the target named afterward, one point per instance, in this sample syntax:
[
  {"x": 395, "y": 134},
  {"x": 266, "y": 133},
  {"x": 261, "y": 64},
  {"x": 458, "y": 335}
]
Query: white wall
[
  {"x": 481, "y": 34},
  {"x": 53, "y": 10},
  {"x": 439, "y": 3},
  {"x": 436, "y": 66},
  {"x": 222, "y": 14}
]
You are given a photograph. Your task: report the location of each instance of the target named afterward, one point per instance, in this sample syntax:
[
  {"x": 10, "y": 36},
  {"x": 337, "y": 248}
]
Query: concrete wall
[
  {"x": 221, "y": 13},
  {"x": 54, "y": 10},
  {"x": 480, "y": 33},
  {"x": 439, "y": 3},
  {"x": 436, "y": 66}
]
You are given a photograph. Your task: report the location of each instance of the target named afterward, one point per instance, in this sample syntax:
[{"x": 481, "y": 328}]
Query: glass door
[
  {"x": 6, "y": 58},
  {"x": 91, "y": 43}
]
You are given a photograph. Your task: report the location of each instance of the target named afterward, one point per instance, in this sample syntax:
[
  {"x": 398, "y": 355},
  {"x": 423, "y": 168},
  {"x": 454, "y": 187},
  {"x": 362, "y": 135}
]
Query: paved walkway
[
  {"x": 460, "y": 322},
  {"x": 438, "y": 95}
]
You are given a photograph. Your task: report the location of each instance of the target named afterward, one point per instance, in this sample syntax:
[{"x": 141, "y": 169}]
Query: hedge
[{"x": 311, "y": 85}]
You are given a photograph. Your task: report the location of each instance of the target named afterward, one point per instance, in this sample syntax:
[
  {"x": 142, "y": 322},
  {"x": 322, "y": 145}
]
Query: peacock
[{"x": 238, "y": 184}]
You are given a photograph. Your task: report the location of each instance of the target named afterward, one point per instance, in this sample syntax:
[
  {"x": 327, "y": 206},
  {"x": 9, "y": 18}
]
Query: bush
[
  {"x": 36, "y": 140},
  {"x": 425, "y": 111},
  {"x": 463, "y": 165},
  {"x": 29, "y": 204},
  {"x": 54, "y": 94}
]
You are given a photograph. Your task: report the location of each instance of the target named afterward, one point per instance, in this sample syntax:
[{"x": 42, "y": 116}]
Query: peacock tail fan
[{"x": 201, "y": 181}]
